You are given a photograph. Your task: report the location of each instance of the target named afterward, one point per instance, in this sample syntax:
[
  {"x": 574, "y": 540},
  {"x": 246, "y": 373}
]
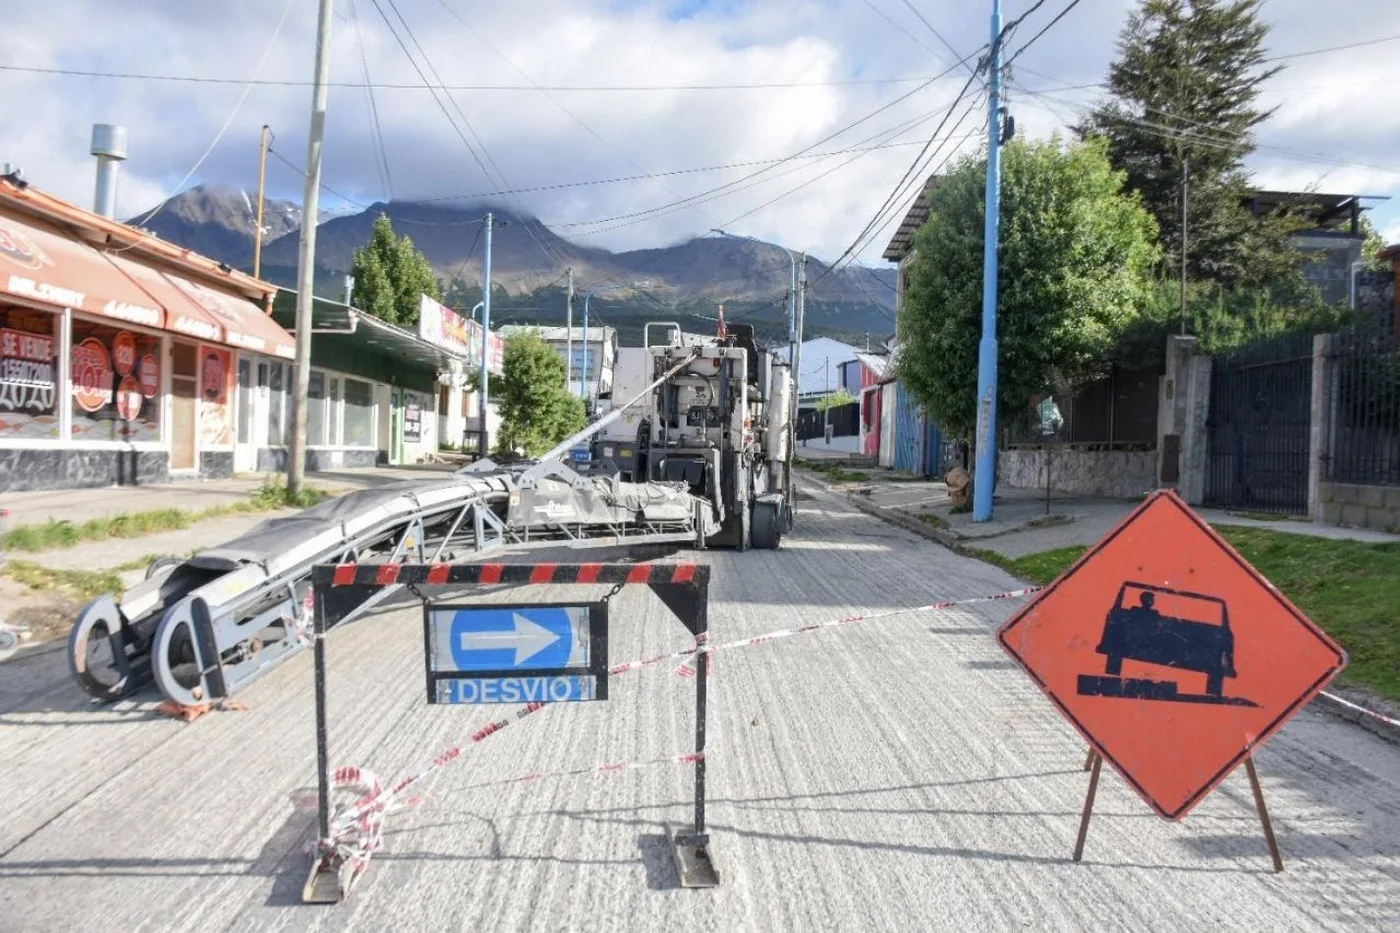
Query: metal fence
[
  {"x": 845, "y": 422},
  {"x": 1258, "y": 428},
  {"x": 1116, "y": 412},
  {"x": 1363, "y": 440}
]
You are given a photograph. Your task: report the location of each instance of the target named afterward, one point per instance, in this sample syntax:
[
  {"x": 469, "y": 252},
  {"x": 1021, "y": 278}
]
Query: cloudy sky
[{"x": 571, "y": 93}]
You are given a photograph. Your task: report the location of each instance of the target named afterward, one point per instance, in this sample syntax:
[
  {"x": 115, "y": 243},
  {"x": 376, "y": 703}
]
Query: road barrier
[{"x": 482, "y": 653}]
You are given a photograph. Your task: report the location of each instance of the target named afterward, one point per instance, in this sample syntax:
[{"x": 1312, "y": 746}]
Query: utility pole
[
  {"x": 262, "y": 178},
  {"x": 798, "y": 320},
  {"x": 306, "y": 270},
  {"x": 1185, "y": 178},
  {"x": 826, "y": 412},
  {"x": 984, "y": 478},
  {"x": 485, "y": 444},
  {"x": 569, "y": 333}
]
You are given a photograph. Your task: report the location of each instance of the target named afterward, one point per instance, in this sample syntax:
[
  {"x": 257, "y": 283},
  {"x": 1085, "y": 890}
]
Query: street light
[
  {"x": 792, "y": 283},
  {"x": 478, "y": 307},
  {"x": 583, "y": 372}
]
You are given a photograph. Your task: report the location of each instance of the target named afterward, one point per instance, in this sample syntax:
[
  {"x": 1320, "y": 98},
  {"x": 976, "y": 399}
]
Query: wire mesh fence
[{"x": 1363, "y": 442}]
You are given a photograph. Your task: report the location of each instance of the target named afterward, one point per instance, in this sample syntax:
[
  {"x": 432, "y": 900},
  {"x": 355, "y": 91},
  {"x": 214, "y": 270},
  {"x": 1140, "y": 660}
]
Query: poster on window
[
  {"x": 215, "y": 413},
  {"x": 28, "y": 384},
  {"x": 109, "y": 371},
  {"x": 412, "y": 417}
]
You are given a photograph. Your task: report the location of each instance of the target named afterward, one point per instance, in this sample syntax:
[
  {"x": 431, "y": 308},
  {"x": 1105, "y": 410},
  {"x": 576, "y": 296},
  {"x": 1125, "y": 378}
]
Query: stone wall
[
  {"x": 23, "y": 470},
  {"x": 1359, "y": 506},
  {"x": 1111, "y": 474},
  {"x": 215, "y": 464}
]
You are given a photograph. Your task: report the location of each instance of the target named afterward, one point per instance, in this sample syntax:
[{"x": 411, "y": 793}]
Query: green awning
[{"x": 336, "y": 322}]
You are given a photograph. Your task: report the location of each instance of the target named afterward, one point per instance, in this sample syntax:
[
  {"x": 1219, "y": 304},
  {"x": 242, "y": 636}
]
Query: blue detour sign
[{"x": 516, "y": 654}]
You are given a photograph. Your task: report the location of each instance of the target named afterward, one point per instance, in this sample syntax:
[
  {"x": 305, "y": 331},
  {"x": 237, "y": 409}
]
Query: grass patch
[
  {"x": 1266, "y": 517},
  {"x": 932, "y": 520},
  {"x": 89, "y": 584},
  {"x": 1049, "y": 521},
  {"x": 1349, "y": 588},
  {"x": 61, "y": 533},
  {"x": 837, "y": 474},
  {"x": 963, "y": 509}
]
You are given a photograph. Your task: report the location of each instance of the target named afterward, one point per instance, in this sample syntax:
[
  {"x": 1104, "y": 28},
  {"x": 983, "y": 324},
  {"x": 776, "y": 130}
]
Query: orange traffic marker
[{"x": 1171, "y": 655}]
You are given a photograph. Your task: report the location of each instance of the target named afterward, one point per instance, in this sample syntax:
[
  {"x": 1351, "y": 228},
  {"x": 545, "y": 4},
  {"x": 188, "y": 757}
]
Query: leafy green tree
[
  {"x": 1074, "y": 262},
  {"x": 537, "y": 410},
  {"x": 1372, "y": 245},
  {"x": 391, "y": 275},
  {"x": 835, "y": 400},
  {"x": 1183, "y": 93}
]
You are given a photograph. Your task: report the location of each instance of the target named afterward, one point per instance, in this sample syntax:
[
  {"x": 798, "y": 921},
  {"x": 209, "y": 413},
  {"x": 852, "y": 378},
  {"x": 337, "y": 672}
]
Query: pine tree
[
  {"x": 1183, "y": 95},
  {"x": 391, "y": 275}
]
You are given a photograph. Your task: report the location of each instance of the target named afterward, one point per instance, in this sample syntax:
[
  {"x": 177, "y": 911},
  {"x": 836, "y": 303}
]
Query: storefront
[
  {"x": 374, "y": 393},
  {"x": 118, "y": 352}
]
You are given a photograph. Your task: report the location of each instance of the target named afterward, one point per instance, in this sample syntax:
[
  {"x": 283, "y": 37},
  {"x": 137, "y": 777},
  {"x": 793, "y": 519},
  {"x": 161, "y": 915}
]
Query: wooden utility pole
[
  {"x": 1185, "y": 181},
  {"x": 262, "y": 180}
]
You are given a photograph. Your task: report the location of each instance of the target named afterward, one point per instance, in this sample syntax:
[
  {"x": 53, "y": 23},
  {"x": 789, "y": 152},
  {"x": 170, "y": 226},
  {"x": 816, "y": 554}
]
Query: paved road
[{"x": 895, "y": 775}]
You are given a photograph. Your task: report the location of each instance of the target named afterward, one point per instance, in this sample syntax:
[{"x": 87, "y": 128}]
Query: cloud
[{"x": 530, "y": 138}]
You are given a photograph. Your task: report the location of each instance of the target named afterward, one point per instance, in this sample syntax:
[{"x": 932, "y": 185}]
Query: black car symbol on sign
[{"x": 1136, "y": 630}]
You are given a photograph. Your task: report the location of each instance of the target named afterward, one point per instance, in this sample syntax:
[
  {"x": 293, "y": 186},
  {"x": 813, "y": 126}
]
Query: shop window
[
  {"x": 316, "y": 410},
  {"x": 272, "y": 377},
  {"x": 28, "y": 374},
  {"x": 359, "y": 414},
  {"x": 333, "y": 413},
  {"x": 116, "y": 384}
]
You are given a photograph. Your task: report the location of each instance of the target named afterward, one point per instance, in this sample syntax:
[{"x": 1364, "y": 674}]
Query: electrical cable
[
  {"x": 233, "y": 114},
  {"x": 381, "y": 152}
]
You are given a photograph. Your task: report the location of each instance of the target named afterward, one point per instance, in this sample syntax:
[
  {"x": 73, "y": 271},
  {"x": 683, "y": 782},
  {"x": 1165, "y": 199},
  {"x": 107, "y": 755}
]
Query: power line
[
  {"x": 850, "y": 126},
  {"x": 938, "y": 35},
  {"x": 1334, "y": 48},
  {"x": 381, "y": 153},
  {"x": 1048, "y": 26},
  {"x": 569, "y": 113},
  {"x": 238, "y": 105},
  {"x": 392, "y": 86}
]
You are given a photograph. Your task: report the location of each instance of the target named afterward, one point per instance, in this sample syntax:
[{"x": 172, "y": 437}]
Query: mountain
[
  {"x": 528, "y": 261},
  {"x": 218, "y": 221}
]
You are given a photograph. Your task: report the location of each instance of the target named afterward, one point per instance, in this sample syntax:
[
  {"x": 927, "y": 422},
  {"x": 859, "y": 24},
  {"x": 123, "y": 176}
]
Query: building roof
[
  {"x": 876, "y": 364},
  {"x": 104, "y": 233},
  {"x": 552, "y": 334},
  {"x": 918, "y": 215},
  {"x": 1327, "y": 211}
]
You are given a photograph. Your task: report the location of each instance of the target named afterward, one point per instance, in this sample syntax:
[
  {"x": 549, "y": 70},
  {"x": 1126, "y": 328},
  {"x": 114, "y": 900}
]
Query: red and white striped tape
[
  {"x": 1362, "y": 710},
  {"x": 356, "y": 828}
]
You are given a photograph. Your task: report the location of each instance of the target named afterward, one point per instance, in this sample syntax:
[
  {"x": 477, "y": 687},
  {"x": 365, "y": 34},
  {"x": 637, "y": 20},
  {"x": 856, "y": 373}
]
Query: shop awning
[
  {"x": 334, "y": 320},
  {"x": 39, "y": 264},
  {"x": 182, "y": 314},
  {"x": 244, "y": 323}
]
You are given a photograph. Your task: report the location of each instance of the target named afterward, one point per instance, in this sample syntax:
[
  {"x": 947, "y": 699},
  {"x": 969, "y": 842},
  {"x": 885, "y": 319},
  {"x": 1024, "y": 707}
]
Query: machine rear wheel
[{"x": 767, "y": 526}]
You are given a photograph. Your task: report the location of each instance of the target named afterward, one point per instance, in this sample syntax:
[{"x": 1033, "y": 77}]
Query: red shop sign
[
  {"x": 124, "y": 353},
  {"x": 92, "y": 375},
  {"x": 150, "y": 376},
  {"x": 129, "y": 399}
]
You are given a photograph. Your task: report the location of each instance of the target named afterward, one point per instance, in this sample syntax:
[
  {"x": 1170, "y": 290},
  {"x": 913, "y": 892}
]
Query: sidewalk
[
  {"x": 49, "y": 612},
  {"x": 1020, "y": 522},
  {"x": 80, "y": 505}
]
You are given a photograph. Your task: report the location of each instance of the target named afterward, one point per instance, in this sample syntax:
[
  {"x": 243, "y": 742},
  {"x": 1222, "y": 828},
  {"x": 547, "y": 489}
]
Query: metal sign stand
[
  {"x": 1094, "y": 764},
  {"x": 339, "y": 589}
]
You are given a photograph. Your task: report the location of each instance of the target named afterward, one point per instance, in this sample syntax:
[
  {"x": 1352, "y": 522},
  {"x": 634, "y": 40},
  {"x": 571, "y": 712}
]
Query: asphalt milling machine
[{"x": 699, "y": 456}]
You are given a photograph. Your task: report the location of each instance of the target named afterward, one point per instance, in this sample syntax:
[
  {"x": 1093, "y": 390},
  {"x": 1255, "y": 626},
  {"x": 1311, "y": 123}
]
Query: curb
[{"x": 1323, "y": 703}]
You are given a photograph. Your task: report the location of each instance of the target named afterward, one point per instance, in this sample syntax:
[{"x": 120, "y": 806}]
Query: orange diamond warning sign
[{"x": 1171, "y": 655}]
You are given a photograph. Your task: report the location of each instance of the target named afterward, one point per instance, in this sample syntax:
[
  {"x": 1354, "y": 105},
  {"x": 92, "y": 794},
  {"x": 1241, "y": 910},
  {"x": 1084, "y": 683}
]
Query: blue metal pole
[
  {"x": 484, "y": 447},
  {"x": 985, "y": 473},
  {"x": 583, "y": 373}
]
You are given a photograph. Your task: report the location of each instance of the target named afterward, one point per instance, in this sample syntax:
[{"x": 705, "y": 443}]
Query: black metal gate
[{"x": 1257, "y": 433}]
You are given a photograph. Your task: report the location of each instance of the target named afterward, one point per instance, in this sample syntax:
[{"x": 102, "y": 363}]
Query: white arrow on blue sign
[{"x": 518, "y": 638}]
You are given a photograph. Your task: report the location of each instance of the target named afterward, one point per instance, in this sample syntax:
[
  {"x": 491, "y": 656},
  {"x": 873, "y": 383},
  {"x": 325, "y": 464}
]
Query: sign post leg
[
  {"x": 1088, "y": 806},
  {"x": 323, "y": 884},
  {"x": 1089, "y": 759},
  {"x": 1263, "y": 814},
  {"x": 694, "y": 866}
]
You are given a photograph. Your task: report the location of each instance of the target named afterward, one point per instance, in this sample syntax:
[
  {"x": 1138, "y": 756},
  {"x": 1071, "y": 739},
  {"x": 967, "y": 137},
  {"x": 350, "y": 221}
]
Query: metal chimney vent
[{"x": 109, "y": 145}]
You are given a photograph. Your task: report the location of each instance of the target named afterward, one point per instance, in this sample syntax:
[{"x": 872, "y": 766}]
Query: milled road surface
[{"x": 894, "y": 775}]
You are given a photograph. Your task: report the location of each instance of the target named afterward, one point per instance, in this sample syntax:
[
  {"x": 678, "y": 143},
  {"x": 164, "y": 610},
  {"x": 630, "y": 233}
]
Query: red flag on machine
[{"x": 723, "y": 331}]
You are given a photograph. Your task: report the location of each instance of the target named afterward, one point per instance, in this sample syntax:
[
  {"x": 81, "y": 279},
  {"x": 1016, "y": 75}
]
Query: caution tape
[
  {"x": 356, "y": 828},
  {"x": 1361, "y": 709}
]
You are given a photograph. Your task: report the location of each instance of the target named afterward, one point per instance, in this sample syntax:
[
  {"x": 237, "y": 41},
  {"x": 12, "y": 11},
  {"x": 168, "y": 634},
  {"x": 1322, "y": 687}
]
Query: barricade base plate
[
  {"x": 322, "y": 884},
  {"x": 694, "y": 867}
]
